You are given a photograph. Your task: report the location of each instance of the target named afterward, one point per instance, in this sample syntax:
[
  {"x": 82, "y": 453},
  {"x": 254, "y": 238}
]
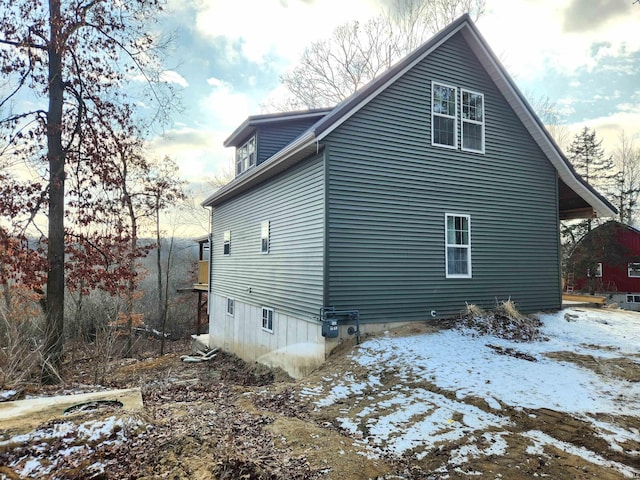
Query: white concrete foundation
[{"x": 296, "y": 345}]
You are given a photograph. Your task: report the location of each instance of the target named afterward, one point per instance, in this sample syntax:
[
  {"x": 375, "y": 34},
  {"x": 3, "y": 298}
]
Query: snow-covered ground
[
  {"x": 449, "y": 396},
  {"x": 45, "y": 450},
  {"x": 403, "y": 416}
]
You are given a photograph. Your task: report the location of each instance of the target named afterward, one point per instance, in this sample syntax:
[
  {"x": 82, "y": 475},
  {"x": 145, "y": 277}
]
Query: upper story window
[
  {"x": 246, "y": 156},
  {"x": 458, "y": 246},
  {"x": 472, "y": 121},
  {"x": 633, "y": 270},
  {"x": 264, "y": 237},
  {"x": 226, "y": 248},
  {"x": 444, "y": 108}
]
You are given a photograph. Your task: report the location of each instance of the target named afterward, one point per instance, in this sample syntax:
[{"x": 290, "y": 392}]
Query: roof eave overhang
[
  {"x": 295, "y": 152},
  {"x": 249, "y": 126},
  {"x": 601, "y": 207}
]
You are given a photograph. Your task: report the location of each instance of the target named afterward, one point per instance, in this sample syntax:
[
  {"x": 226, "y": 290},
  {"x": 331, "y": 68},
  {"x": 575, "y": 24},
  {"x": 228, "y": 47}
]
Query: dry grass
[
  {"x": 508, "y": 309},
  {"x": 474, "y": 310},
  {"x": 20, "y": 355}
]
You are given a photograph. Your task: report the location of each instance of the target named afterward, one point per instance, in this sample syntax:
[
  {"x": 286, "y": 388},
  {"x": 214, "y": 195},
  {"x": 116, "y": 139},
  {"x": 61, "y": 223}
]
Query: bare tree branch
[{"x": 331, "y": 70}]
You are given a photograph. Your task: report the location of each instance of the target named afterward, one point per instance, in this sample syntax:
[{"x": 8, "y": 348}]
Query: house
[
  {"x": 432, "y": 186},
  {"x": 607, "y": 260}
]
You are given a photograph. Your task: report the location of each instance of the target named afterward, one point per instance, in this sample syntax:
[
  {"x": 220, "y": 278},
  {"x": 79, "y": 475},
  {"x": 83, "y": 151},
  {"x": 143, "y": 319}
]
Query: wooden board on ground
[
  {"x": 35, "y": 411},
  {"x": 574, "y": 297}
]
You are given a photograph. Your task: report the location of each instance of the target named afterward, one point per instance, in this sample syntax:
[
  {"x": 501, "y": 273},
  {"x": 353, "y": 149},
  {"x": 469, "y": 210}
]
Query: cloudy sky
[{"x": 228, "y": 56}]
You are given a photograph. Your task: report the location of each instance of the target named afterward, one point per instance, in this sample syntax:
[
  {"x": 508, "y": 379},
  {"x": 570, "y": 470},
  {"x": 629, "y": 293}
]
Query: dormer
[{"x": 261, "y": 136}]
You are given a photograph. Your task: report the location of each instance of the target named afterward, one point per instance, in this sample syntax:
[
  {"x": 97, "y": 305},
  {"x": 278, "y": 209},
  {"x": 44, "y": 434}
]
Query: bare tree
[
  {"x": 164, "y": 192},
  {"x": 627, "y": 180},
  {"x": 413, "y": 21},
  {"x": 76, "y": 55},
  {"x": 331, "y": 70},
  {"x": 552, "y": 118},
  {"x": 224, "y": 176}
]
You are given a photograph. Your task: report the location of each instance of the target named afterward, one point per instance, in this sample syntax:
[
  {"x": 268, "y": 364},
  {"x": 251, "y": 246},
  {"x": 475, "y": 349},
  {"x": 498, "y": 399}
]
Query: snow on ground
[
  {"x": 45, "y": 449},
  {"x": 405, "y": 417}
]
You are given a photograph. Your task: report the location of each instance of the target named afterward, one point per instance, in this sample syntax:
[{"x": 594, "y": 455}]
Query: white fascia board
[{"x": 525, "y": 113}]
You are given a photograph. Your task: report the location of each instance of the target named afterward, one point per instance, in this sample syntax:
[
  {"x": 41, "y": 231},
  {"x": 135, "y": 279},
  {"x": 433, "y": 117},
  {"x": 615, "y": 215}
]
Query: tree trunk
[
  {"x": 54, "y": 329},
  {"x": 165, "y": 305},
  {"x": 131, "y": 285},
  {"x": 160, "y": 311}
]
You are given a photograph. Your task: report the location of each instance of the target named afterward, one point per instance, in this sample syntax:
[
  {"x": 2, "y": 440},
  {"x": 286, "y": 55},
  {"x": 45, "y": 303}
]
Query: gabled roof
[
  {"x": 309, "y": 141},
  {"x": 612, "y": 224},
  {"x": 249, "y": 125}
]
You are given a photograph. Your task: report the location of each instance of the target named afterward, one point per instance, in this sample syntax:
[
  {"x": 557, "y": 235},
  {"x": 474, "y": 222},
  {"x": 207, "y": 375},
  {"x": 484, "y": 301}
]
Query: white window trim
[
  {"x": 446, "y": 247},
  {"x": 629, "y": 270},
  {"x": 225, "y": 241},
  {"x": 226, "y": 307},
  {"x": 455, "y": 117},
  {"x": 252, "y": 158},
  {"x": 598, "y": 273},
  {"x": 633, "y": 298},
  {"x": 268, "y": 223},
  {"x": 475, "y": 122},
  {"x": 267, "y": 309}
]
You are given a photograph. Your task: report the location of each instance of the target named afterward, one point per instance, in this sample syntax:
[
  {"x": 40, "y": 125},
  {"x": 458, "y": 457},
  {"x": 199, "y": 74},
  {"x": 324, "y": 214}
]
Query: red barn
[{"x": 607, "y": 260}]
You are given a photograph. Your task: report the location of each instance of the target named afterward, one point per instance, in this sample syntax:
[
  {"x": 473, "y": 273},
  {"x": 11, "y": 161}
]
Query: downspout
[
  {"x": 210, "y": 279},
  {"x": 559, "y": 244}
]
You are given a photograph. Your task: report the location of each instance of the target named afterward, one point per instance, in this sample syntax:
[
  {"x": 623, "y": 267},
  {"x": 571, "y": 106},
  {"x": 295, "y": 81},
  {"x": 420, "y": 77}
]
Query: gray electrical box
[{"x": 330, "y": 328}]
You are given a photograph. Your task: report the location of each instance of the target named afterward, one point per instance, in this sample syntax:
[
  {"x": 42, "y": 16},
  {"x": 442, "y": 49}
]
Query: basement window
[
  {"x": 633, "y": 270},
  {"x": 267, "y": 319},
  {"x": 226, "y": 245},
  {"x": 444, "y": 107},
  {"x": 633, "y": 298},
  {"x": 458, "y": 246}
]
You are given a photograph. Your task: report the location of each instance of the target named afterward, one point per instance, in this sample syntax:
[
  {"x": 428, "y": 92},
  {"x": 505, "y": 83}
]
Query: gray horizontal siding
[
  {"x": 276, "y": 136},
  {"x": 389, "y": 190},
  {"x": 290, "y": 277}
]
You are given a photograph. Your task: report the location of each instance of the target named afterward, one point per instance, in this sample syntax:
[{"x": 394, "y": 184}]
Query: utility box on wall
[{"x": 330, "y": 328}]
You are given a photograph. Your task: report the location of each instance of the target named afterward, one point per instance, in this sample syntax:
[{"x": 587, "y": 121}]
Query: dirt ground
[{"x": 226, "y": 419}]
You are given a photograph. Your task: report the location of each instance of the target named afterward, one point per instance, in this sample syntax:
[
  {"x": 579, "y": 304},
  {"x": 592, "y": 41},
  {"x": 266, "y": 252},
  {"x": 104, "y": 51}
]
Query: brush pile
[{"x": 503, "y": 322}]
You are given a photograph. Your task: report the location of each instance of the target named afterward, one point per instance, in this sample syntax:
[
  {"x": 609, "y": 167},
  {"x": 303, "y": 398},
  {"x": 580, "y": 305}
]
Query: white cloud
[
  {"x": 225, "y": 107},
  {"x": 532, "y": 47},
  {"x": 198, "y": 152},
  {"x": 608, "y": 128},
  {"x": 273, "y": 25},
  {"x": 566, "y": 106},
  {"x": 171, "y": 76},
  {"x": 214, "y": 82}
]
